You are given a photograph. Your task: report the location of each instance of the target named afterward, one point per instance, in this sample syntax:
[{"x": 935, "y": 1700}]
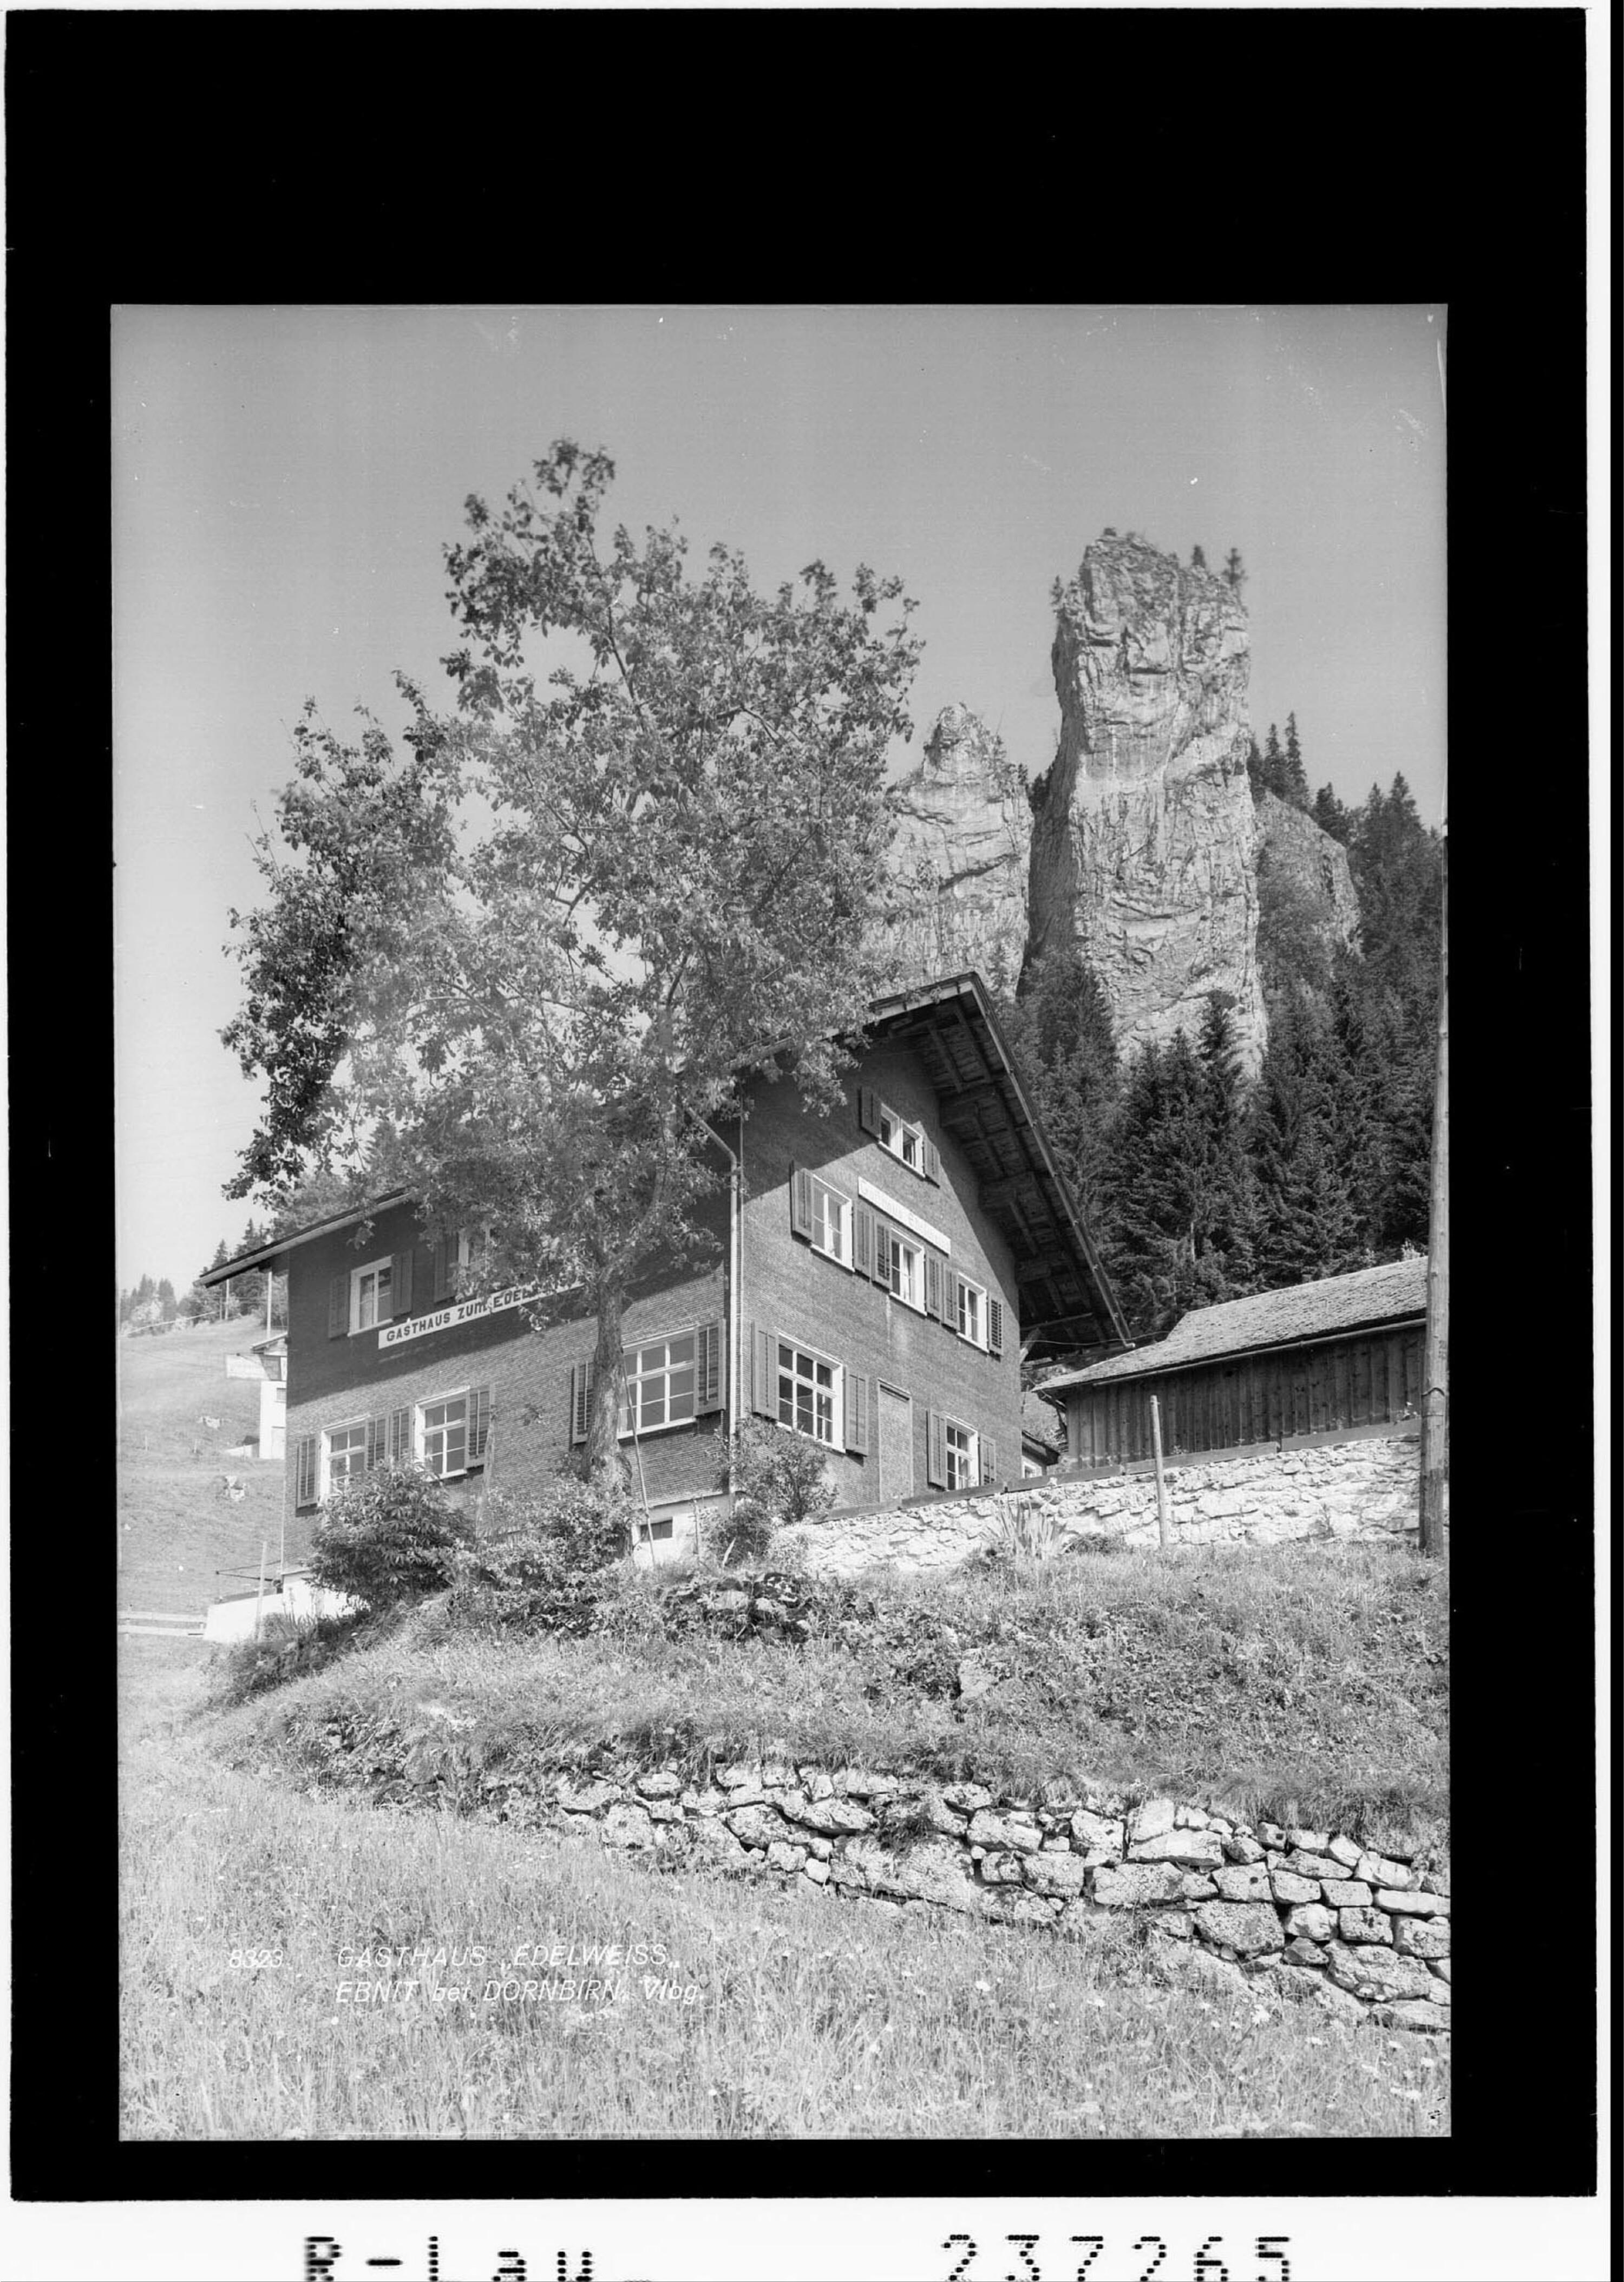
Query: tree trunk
[{"x": 603, "y": 1414}]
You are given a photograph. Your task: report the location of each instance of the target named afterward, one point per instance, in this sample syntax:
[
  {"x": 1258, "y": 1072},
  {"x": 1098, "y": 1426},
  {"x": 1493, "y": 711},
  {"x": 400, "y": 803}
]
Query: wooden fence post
[
  {"x": 260, "y": 1596},
  {"x": 1163, "y": 1526}
]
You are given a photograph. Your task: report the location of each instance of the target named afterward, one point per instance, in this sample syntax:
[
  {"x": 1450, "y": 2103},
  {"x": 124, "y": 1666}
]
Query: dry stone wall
[
  {"x": 1362, "y": 1489},
  {"x": 1315, "y": 1916}
]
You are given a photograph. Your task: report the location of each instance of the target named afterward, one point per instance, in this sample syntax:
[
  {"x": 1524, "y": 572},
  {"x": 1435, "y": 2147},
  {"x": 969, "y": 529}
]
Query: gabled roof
[
  {"x": 1061, "y": 1286},
  {"x": 270, "y": 1255},
  {"x": 1062, "y": 1289},
  {"x": 1370, "y": 1297}
]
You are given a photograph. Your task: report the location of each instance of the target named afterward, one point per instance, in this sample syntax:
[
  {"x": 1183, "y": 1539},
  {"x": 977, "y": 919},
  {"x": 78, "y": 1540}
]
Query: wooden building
[
  {"x": 1311, "y": 1360},
  {"x": 873, "y": 1273}
]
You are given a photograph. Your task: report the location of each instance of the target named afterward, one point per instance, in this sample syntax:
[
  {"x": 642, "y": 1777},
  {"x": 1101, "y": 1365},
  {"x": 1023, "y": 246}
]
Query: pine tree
[
  {"x": 1294, "y": 775},
  {"x": 1198, "y": 558},
  {"x": 1254, "y": 769},
  {"x": 1060, "y": 1032},
  {"x": 1331, "y": 815},
  {"x": 1234, "y": 570},
  {"x": 167, "y": 1301},
  {"x": 1309, "y": 1225},
  {"x": 1274, "y": 770},
  {"x": 1228, "y": 1218}
]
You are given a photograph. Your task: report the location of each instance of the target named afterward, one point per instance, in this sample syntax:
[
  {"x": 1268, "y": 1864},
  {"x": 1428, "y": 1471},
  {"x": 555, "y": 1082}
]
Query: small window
[
  {"x": 344, "y": 1454},
  {"x": 371, "y": 1295},
  {"x": 652, "y": 1532},
  {"x": 442, "y": 1436},
  {"x": 831, "y": 1222},
  {"x": 472, "y": 1245},
  {"x": 902, "y": 1138},
  {"x": 907, "y": 1275},
  {"x": 660, "y": 1385},
  {"x": 972, "y": 1319},
  {"x": 963, "y": 1472},
  {"x": 807, "y": 1393}
]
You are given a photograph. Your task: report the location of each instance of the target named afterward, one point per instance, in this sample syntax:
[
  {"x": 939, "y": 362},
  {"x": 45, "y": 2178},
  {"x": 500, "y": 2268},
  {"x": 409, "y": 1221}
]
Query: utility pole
[{"x": 1435, "y": 1372}]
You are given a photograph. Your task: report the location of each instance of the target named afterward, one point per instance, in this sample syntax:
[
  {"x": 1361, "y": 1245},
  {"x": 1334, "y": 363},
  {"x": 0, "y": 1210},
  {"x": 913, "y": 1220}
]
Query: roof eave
[
  {"x": 267, "y": 1255},
  {"x": 1089, "y": 1375}
]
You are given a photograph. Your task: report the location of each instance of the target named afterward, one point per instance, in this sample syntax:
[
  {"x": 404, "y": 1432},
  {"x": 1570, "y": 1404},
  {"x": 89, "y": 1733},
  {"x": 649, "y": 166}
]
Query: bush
[
  {"x": 288, "y": 1647},
  {"x": 387, "y": 1538},
  {"x": 531, "y": 1564},
  {"x": 778, "y": 1480}
]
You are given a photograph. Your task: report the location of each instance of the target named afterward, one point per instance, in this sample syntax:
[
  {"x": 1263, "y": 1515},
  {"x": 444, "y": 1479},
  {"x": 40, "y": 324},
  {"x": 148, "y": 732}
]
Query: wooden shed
[{"x": 1313, "y": 1359}]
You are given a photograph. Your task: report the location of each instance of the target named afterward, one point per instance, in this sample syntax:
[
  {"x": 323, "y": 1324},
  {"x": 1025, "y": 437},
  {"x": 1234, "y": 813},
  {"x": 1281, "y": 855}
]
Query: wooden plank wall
[{"x": 1362, "y": 1381}]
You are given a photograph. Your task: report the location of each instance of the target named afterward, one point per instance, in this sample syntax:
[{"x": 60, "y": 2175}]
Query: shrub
[
  {"x": 536, "y": 1564},
  {"x": 387, "y": 1538},
  {"x": 288, "y": 1647},
  {"x": 778, "y": 1480}
]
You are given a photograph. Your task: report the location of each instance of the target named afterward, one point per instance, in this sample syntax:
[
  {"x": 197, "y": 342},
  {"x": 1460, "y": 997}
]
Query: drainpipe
[{"x": 735, "y": 1206}]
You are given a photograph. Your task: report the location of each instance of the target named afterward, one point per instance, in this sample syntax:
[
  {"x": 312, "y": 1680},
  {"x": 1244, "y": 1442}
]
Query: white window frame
[
  {"x": 667, "y": 1340},
  {"x": 835, "y": 1390},
  {"x": 421, "y": 1431},
  {"x": 907, "y": 1287},
  {"x": 357, "y": 1276},
  {"x": 970, "y": 1454},
  {"x": 326, "y": 1479},
  {"x": 902, "y": 1130},
  {"x": 841, "y": 1252},
  {"x": 978, "y": 1293}
]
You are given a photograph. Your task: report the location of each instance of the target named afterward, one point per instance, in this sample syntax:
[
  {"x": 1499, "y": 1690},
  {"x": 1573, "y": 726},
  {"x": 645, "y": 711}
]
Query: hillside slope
[{"x": 177, "y": 1527}]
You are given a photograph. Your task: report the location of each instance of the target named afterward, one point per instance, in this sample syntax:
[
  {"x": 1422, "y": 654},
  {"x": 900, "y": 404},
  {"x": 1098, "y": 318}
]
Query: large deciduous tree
[{"x": 521, "y": 967}]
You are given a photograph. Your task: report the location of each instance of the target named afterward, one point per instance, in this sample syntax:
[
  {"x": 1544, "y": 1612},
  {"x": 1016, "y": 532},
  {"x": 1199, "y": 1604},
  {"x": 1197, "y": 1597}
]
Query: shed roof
[{"x": 1369, "y": 1297}]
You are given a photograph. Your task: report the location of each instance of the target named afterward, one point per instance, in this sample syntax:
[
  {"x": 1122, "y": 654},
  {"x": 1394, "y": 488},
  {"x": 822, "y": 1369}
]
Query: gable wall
[
  {"x": 792, "y": 1290},
  {"x": 787, "y": 1288}
]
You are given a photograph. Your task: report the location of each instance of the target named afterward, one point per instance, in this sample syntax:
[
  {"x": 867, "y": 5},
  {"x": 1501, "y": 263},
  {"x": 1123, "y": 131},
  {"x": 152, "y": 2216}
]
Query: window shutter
[
  {"x": 400, "y": 1437},
  {"x": 989, "y": 1458},
  {"x": 995, "y": 1325},
  {"x": 883, "y": 1253},
  {"x": 304, "y": 1470},
  {"x": 377, "y": 1441},
  {"x": 857, "y": 1409},
  {"x": 764, "y": 1397},
  {"x": 800, "y": 1201},
  {"x": 954, "y": 1297},
  {"x": 933, "y": 1162},
  {"x": 337, "y": 1307},
  {"x": 708, "y": 1375},
  {"x": 933, "y": 1284},
  {"x": 868, "y": 1110},
  {"x": 401, "y": 1284},
  {"x": 580, "y": 1395},
  {"x": 478, "y": 1424},
  {"x": 442, "y": 1271},
  {"x": 862, "y": 1240},
  {"x": 936, "y": 1450}
]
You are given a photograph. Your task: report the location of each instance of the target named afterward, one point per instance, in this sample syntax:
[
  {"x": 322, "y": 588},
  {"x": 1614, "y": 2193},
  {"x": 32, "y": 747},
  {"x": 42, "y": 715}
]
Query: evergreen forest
[{"x": 1199, "y": 1186}]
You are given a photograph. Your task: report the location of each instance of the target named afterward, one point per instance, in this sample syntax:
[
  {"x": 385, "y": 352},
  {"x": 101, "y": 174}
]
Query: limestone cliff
[
  {"x": 1294, "y": 856},
  {"x": 1141, "y": 841},
  {"x": 959, "y": 863},
  {"x": 1144, "y": 840}
]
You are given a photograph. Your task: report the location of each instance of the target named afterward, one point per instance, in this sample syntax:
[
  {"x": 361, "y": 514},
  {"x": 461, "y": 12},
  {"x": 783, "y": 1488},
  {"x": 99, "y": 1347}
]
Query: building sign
[
  {"x": 883, "y": 1203},
  {"x": 464, "y": 1311}
]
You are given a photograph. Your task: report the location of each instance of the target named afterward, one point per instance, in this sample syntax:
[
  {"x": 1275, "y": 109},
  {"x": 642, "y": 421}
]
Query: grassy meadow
[{"x": 255, "y": 1867}]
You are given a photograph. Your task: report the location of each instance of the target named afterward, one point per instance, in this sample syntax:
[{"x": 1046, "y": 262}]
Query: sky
[{"x": 286, "y": 479}]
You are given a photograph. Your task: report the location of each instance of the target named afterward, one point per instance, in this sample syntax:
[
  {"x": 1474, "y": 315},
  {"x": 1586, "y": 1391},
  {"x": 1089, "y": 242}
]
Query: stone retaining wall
[
  {"x": 1366, "y": 1488},
  {"x": 1312, "y": 1915}
]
